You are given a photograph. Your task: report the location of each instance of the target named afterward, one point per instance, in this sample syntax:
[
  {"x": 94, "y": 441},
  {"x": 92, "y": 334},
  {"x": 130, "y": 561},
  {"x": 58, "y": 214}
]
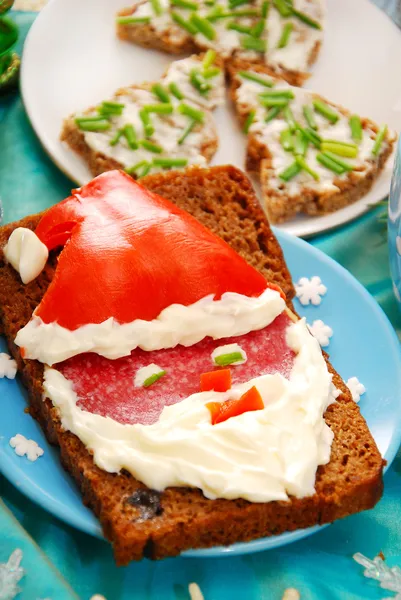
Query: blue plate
[{"x": 364, "y": 345}]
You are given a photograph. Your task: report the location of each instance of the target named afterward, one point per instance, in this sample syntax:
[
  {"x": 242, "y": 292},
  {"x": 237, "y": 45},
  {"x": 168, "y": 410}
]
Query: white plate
[{"x": 72, "y": 60}]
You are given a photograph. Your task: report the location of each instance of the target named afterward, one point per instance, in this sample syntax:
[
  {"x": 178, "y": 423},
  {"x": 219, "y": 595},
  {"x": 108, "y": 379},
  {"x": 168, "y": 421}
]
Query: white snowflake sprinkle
[
  {"x": 309, "y": 291},
  {"x": 334, "y": 393},
  {"x": 291, "y": 594},
  {"x": 356, "y": 388},
  {"x": 321, "y": 332},
  {"x": 388, "y": 577},
  {"x": 8, "y": 366},
  {"x": 10, "y": 575},
  {"x": 24, "y": 447}
]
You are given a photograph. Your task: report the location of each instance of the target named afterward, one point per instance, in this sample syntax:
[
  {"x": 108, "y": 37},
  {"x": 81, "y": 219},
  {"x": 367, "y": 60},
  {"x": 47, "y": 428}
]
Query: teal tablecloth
[{"x": 321, "y": 567}]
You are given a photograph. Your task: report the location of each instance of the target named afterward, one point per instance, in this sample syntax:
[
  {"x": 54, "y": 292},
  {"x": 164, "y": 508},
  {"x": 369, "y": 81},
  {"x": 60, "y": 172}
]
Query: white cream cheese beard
[{"x": 261, "y": 455}]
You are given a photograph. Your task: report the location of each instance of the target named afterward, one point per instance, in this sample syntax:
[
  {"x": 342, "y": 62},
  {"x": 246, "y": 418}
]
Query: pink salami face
[{"x": 106, "y": 387}]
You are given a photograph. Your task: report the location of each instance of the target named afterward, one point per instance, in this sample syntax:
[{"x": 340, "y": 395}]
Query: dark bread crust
[{"x": 222, "y": 198}]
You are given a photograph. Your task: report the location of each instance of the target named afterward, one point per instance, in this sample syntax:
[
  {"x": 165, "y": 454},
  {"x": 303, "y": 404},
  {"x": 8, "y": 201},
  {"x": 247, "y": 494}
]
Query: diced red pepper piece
[
  {"x": 221, "y": 411},
  {"x": 219, "y": 381}
]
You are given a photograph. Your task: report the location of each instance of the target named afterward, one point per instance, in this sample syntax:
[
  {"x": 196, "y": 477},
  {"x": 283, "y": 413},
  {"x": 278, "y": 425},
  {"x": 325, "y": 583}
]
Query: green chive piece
[
  {"x": 198, "y": 82},
  {"x": 300, "y": 143},
  {"x": 184, "y": 4},
  {"x": 133, "y": 170},
  {"x": 159, "y": 91},
  {"x": 249, "y": 120},
  {"x": 256, "y": 78},
  {"x": 287, "y": 94},
  {"x": 88, "y": 119},
  {"x": 211, "y": 72},
  {"x": 283, "y": 8},
  {"x": 93, "y": 124},
  {"x": 305, "y": 167},
  {"x": 356, "y": 128},
  {"x": 272, "y": 113},
  {"x": 289, "y": 117},
  {"x": 290, "y": 172},
  {"x": 218, "y": 13},
  {"x": 215, "y": 14},
  {"x": 132, "y": 20},
  {"x": 147, "y": 123},
  {"x": 285, "y": 35},
  {"x": 233, "y": 26},
  {"x": 381, "y": 134},
  {"x": 130, "y": 136},
  {"x": 163, "y": 108},
  {"x": 228, "y": 359},
  {"x": 114, "y": 140},
  {"x": 191, "y": 111},
  {"x": 310, "y": 135},
  {"x": 210, "y": 2},
  {"x": 258, "y": 28},
  {"x": 306, "y": 19},
  {"x": 342, "y": 149},
  {"x": 236, "y": 3},
  {"x": 181, "y": 22},
  {"x": 251, "y": 43},
  {"x": 145, "y": 170},
  {"x": 157, "y": 7},
  {"x": 286, "y": 140},
  {"x": 166, "y": 163},
  {"x": 153, "y": 378},
  {"x": 325, "y": 110},
  {"x": 187, "y": 131},
  {"x": 334, "y": 158},
  {"x": 265, "y": 9},
  {"x": 151, "y": 147},
  {"x": 208, "y": 59},
  {"x": 242, "y": 13},
  {"x": 203, "y": 26},
  {"x": 109, "y": 105},
  {"x": 278, "y": 101},
  {"x": 309, "y": 116},
  {"x": 175, "y": 90},
  {"x": 329, "y": 164}
]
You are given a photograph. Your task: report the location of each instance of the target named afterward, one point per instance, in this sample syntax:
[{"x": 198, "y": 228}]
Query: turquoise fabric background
[{"x": 321, "y": 567}]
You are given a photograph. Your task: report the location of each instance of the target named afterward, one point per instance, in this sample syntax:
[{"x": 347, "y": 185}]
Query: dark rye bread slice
[{"x": 140, "y": 522}]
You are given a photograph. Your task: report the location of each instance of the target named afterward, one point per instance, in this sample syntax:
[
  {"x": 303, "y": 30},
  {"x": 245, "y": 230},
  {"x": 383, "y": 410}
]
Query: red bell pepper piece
[
  {"x": 219, "y": 381},
  {"x": 221, "y": 411}
]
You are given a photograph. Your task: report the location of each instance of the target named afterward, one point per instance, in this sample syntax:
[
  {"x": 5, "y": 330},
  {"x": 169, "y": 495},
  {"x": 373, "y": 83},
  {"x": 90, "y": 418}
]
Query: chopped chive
[
  {"x": 116, "y": 138},
  {"x": 130, "y": 136},
  {"x": 187, "y": 131},
  {"x": 251, "y": 43},
  {"x": 325, "y": 110},
  {"x": 242, "y": 13},
  {"x": 290, "y": 172},
  {"x": 309, "y": 116},
  {"x": 258, "y": 28},
  {"x": 289, "y": 117},
  {"x": 381, "y": 134},
  {"x": 133, "y": 170},
  {"x": 344, "y": 165},
  {"x": 157, "y": 7},
  {"x": 256, "y": 78},
  {"x": 211, "y": 72},
  {"x": 153, "y": 378},
  {"x": 88, "y": 119},
  {"x": 208, "y": 59},
  {"x": 147, "y": 123},
  {"x": 283, "y": 8},
  {"x": 305, "y": 167},
  {"x": 249, "y": 120},
  {"x": 203, "y": 26},
  {"x": 132, "y": 20},
  {"x": 329, "y": 163},
  {"x": 191, "y": 111},
  {"x": 347, "y": 150},
  {"x": 170, "y": 162},
  {"x": 216, "y": 15},
  {"x": 300, "y": 143},
  {"x": 145, "y": 171},
  {"x": 93, "y": 124},
  {"x": 286, "y": 140},
  {"x": 198, "y": 82},
  {"x": 278, "y": 101},
  {"x": 159, "y": 91},
  {"x": 184, "y": 4},
  {"x": 113, "y": 105},
  {"x": 306, "y": 19},
  {"x": 356, "y": 128},
  {"x": 287, "y": 94},
  {"x": 210, "y": 2},
  {"x": 311, "y": 136},
  {"x": 175, "y": 90},
  {"x": 236, "y": 3},
  {"x": 151, "y": 147},
  {"x": 272, "y": 113},
  {"x": 163, "y": 108},
  {"x": 233, "y": 26},
  {"x": 265, "y": 9},
  {"x": 181, "y": 22},
  {"x": 285, "y": 35},
  {"x": 228, "y": 359}
]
